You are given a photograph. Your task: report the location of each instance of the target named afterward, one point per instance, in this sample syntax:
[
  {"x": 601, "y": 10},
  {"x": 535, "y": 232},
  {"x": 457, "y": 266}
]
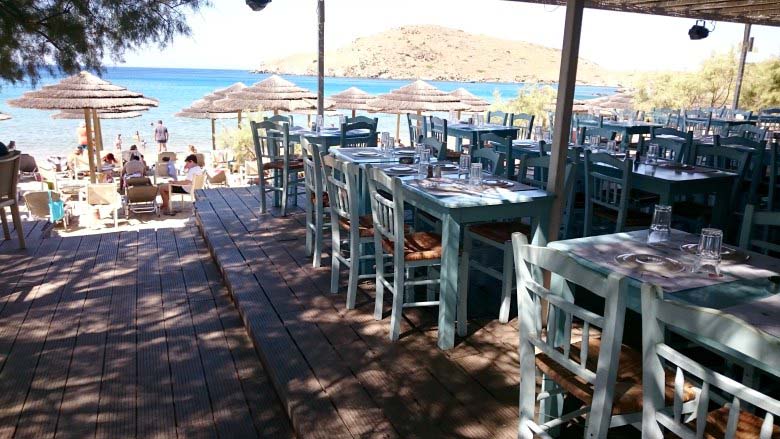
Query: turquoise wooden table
[
  {"x": 467, "y": 131},
  {"x": 720, "y": 123},
  {"x": 456, "y": 211},
  {"x": 327, "y": 136},
  {"x": 739, "y": 285},
  {"x": 629, "y": 128}
]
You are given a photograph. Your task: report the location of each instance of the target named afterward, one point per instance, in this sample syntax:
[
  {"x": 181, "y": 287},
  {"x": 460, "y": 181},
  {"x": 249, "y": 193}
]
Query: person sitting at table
[
  {"x": 134, "y": 168},
  {"x": 170, "y": 168},
  {"x": 72, "y": 162},
  {"x": 182, "y": 186},
  {"x": 107, "y": 168}
]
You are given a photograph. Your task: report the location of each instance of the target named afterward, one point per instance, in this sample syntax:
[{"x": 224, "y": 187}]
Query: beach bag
[{"x": 56, "y": 209}]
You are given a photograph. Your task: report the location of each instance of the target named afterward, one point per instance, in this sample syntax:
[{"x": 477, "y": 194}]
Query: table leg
[{"x": 449, "y": 282}]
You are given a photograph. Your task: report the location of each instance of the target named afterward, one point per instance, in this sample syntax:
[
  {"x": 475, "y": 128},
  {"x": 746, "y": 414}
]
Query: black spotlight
[
  {"x": 257, "y": 5},
  {"x": 698, "y": 31}
]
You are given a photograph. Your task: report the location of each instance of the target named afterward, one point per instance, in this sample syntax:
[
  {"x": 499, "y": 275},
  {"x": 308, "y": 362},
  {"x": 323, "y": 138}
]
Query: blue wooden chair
[
  {"x": 738, "y": 417},
  {"x": 438, "y": 130},
  {"x": 607, "y": 190},
  {"x": 746, "y": 130},
  {"x": 418, "y": 126},
  {"x": 275, "y": 154},
  {"x": 698, "y": 126},
  {"x": 317, "y": 201},
  {"x": 369, "y": 120},
  {"x": 365, "y": 140},
  {"x": 524, "y": 123},
  {"x": 766, "y": 220},
  {"x": 498, "y": 157},
  {"x": 343, "y": 183},
  {"x": 407, "y": 251},
  {"x": 497, "y": 117},
  {"x": 498, "y": 235},
  {"x": 280, "y": 119},
  {"x": 590, "y": 367},
  {"x": 604, "y": 134},
  {"x": 587, "y": 120},
  {"x": 773, "y": 178},
  {"x": 668, "y": 149},
  {"x": 437, "y": 147}
]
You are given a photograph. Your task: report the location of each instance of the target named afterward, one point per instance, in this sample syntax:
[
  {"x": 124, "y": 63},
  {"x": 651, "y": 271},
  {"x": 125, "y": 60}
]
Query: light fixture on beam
[
  {"x": 257, "y": 5},
  {"x": 699, "y": 30}
]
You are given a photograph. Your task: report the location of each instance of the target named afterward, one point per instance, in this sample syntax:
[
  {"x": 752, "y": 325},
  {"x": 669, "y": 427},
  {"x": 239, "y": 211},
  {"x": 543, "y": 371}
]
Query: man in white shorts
[{"x": 181, "y": 186}]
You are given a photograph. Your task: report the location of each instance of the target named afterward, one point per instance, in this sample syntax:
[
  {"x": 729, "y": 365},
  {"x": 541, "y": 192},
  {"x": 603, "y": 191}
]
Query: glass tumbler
[
  {"x": 319, "y": 121},
  {"x": 475, "y": 176},
  {"x": 465, "y": 164},
  {"x": 652, "y": 154},
  {"x": 660, "y": 228},
  {"x": 709, "y": 249},
  {"x": 425, "y": 160}
]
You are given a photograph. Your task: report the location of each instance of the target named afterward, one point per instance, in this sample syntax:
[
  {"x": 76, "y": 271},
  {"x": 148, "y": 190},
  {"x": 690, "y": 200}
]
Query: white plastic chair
[{"x": 105, "y": 194}]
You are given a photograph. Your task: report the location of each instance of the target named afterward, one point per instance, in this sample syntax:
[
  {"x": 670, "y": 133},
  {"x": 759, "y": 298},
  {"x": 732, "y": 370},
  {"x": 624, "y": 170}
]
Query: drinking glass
[
  {"x": 475, "y": 176},
  {"x": 425, "y": 160},
  {"x": 391, "y": 142},
  {"x": 547, "y": 136},
  {"x": 465, "y": 164},
  {"x": 342, "y": 120},
  {"x": 660, "y": 228},
  {"x": 594, "y": 142},
  {"x": 453, "y": 118},
  {"x": 479, "y": 119},
  {"x": 537, "y": 136},
  {"x": 652, "y": 154},
  {"x": 612, "y": 146},
  {"x": 418, "y": 147},
  {"x": 709, "y": 249},
  {"x": 319, "y": 121}
]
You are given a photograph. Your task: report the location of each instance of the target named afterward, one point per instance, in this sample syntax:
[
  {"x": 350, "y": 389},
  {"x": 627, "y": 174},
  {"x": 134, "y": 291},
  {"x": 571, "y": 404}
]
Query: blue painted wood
[
  {"x": 418, "y": 126},
  {"x": 471, "y": 132},
  {"x": 497, "y": 117}
]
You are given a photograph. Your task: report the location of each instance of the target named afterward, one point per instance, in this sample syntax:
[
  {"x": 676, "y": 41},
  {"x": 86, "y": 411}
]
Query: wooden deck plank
[{"x": 41, "y": 409}]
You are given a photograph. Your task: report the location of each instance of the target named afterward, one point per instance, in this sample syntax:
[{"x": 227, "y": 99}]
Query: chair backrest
[
  {"x": 668, "y": 149},
  {"x": 497, "y": 117},
  {"x": 556, "y": 341},
  {"x": 524, "y": 122},
  {"x": 201, "y": 159},
  {"x": 535, "y": 171},
  {"x": 101, "y": 194},
  {"x": 250, "y": 168},
  {"x": 280, "y": 119},
  {"x": 217, "y": 178},
  {"x": 437, "y": 147},
  {"x": 160, "y": 156},
  {"x": 607, "y": 186},
  {"x": 724, "y": 158},
  {"x": 198, "y": 183},
  {"x": 698, "y": 126},
  {"x": 272, "y": 142},
  {"x": 498, "y": 158},
  {"x": 343, "y": 187},
  {"x": 587, "y": 120},
  {"x": 773, "y": 170},
  {"x": 418, "y": 126},
  {"x": 161, "y": 169},
  {"x": 438, "y": 128},
  {"x": 769, "y": 221},
  {"x": 364, "y": 140},
  {"x": 387, "y": 209},
  {"x": 745, "y": 130},
  {"x": 675, "y": 120},
  {"x": 141, "y": 194},
  {"x": 138, "y": 181},
  {"x": 668, "y": 131},
  {"x": 374, "y": 121},
  {"x": 604, "y": 134},
  {"x": 9, "y": 175},
  {"x": 312, "y": 170},
  {"x": 661, "y": 316},
  {"x": 37, "y": 202},
  {"x": 27, "y": 164}
]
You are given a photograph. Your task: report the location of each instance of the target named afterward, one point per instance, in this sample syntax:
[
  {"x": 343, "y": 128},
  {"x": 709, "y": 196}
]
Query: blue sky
[{"x": 230, "y": 35}]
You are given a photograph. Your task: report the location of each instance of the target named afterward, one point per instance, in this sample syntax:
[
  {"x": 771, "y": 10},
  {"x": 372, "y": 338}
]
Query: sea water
[{"x": 37, "y": 133}]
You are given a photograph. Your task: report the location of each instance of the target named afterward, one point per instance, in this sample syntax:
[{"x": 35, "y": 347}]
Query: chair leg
[
  {"x": 380, "y": 274},
  {"x": 318, "y": 232},
  {"x": 262, "y": 191},
  {"x": 285, "y": 189},
  {"x": 309, "y": 221},
  {"x": 6, "y": 232},
  {"x": 116, "y": 218},
  {"x": 335, "y": 263},
  {"x": 398, "y": 305},
  {"x": 463, "y": 286},
  {"x": 354, "y": 270},
  {"x": 506, "y": 283},
  {"x": 18, "y": 224}
]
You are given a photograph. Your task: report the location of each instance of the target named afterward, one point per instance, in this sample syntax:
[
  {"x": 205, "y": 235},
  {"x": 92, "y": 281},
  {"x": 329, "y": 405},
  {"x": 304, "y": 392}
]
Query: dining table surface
[
  {"x": 471, "y": 132},
  {"x": 747, "y": 284},
  {"x": 328, "y": 136}
]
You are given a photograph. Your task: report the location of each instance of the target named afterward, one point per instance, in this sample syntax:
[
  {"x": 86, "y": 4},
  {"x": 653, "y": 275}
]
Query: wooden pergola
[{"x": 748, "y": 12}]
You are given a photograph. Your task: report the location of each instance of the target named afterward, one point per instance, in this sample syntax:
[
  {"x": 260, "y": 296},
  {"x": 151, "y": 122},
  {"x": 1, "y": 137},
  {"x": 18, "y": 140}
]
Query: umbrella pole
[
  {"x": 98, "y": 134},
  {"x": 239, "y": 118},
  {"x": 90, "y": 144},
  {"x": 353, "y": 114},
  {"x": 213, "y": 139},
  {"x": 398, "y": 128}
]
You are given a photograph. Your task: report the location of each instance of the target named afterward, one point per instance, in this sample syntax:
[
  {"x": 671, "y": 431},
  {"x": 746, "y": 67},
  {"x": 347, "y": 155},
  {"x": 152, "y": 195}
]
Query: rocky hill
[{"x": 440, "y": 53}]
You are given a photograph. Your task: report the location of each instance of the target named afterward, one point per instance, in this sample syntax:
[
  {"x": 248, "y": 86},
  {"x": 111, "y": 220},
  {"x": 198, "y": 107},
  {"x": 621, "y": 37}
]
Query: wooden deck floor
[
  {"x": 335, "y": 370},
  {"x": 126, "y": 334}
]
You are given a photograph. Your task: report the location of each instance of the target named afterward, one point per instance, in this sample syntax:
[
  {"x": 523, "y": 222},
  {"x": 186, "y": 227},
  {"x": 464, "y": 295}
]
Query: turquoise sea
[{"x": 37, "y": 133}]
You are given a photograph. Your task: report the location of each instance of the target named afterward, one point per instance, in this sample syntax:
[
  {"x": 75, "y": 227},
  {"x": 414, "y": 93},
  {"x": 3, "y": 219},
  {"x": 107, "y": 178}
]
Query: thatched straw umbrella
[
  {"x": 4, "y": 116},
  {"x": 200, "y": 110},
  {"x": 416, "y": 97},
  {"x": 475, "y": 103},
  {"x": 70, "y": 114},
  {"x": 271, "y": 94},
  {"x": 86, "y": 92},
  {"x": 352, "y": 98},
  {"x": 618, "y": 101}
]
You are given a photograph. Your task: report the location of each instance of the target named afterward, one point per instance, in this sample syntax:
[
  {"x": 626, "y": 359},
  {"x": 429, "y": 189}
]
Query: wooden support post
[
  {"x": 563, "y": 109},
  {"x": 353, "y": 113},
  {"x": 239, "y": 118},
  {"x": 98, "y": 129},
  {"x": 321, "y": 58},
  {"x": 213, "y": 138},
  {"x": 90, "y": 144},
  {"x": 398, "y": 129},
  {"x": 741, "y": 68}
]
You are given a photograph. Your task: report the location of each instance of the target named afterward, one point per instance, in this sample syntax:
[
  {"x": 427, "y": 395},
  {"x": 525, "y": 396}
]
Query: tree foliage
[
  {"x": 711, "y": 86},
  {"x": 533, "y": 99},
  {"x": 66, "y": 36}
]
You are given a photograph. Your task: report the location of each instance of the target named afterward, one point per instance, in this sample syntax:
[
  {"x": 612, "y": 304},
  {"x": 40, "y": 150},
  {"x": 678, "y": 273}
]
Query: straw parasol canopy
[
  {"x": 271, "y": 94},
  {"x": 204, "y": 109},
  {"x": 416, "y": 97},
  {"x": 89, "y": 93},
  {"x": 475, "y": 103},
  {"x": 4, "y": 116},
  {"x": 353, "y": 99},
  {"x": 71, "y": 114},
  {"x": 619, "y": 101}
]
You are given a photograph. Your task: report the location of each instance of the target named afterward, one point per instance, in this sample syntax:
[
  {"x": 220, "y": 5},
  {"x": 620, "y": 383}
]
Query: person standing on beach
[
  {"x": 118, "y": 143},
  {"x": 81, "y": 135},
  {"x": 161, "y": 137}
]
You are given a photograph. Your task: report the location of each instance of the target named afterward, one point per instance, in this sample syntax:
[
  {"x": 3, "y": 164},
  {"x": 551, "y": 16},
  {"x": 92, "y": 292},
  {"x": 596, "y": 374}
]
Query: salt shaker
[
  {"x": 437, "y": 171},
  {"x": 430, "y": 171}
]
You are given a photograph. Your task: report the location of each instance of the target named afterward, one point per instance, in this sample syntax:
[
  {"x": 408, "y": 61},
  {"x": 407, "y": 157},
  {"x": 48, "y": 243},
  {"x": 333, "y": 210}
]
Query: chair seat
[
  {"x": 453, "y": 155},
  {"x": 628, "y": 385},
  {"x": 749, "y": 425},
  {"x": 418, "y": 246},
  {"x": 279, "y": 164},
  {"x": 365, "y": 225},
  {"x": 635, "y": 218},
  {"x": 325, "y": 199},
  {"x": 501, "y": 231}
]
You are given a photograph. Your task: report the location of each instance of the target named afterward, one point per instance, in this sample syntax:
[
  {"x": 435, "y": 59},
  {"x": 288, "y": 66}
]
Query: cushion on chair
[
  {"x": 453, "y": 155},
  {"x": 749, "y": 425},
  {"x": 501, "y": 231},
  {"x": 635, "y": 218},
  {"x": 418, "y": 246},
  {"x": 628, "y": 385},
  {"x": 365, "y": 225},
  {"x": 325, "y": 199},
  {"x": 279, "y": 164}
]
